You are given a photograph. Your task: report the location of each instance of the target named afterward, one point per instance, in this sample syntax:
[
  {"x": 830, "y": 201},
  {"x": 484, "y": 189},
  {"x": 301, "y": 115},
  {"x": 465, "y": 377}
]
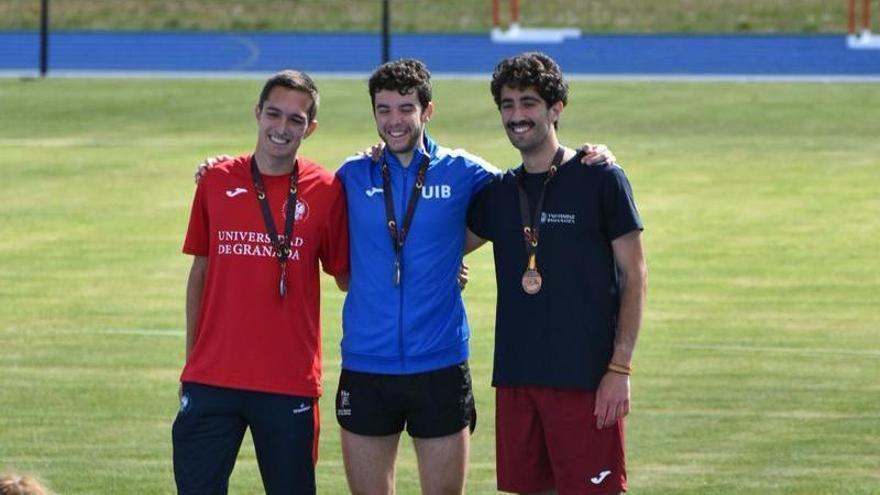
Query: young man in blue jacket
[{"x": 405, "y": 333}]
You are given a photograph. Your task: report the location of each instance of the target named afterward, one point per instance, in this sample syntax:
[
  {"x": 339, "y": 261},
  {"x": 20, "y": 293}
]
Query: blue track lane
[{"x": 358, "y": 53}]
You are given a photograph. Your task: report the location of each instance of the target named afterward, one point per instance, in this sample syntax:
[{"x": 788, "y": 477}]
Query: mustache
[{"x": 512, "y": 124}]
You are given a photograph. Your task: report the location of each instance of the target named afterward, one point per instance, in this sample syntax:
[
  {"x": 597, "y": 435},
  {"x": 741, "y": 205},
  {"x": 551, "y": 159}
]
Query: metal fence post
[
  {"x": 386, "y": 30},
  {"x": 44, "y": 37}
]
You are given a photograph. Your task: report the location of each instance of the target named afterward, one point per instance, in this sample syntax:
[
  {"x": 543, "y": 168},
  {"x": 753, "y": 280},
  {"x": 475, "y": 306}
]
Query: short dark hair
[
  {"x": 292, "y": 79},
  {"x": 404, "y": 76},
  {"x": 530, "y": 70}
]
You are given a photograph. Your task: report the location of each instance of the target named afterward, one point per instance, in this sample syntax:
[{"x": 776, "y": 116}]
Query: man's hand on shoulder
[
  {"x": 374, "y": 152},
  {"x": 597, "y": 155},
  {"x": 208, "y": 164}
]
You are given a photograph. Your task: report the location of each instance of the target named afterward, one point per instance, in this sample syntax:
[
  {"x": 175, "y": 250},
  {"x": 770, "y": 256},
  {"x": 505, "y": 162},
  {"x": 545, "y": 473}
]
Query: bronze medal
[
  {"x": 531, "y": 282},
  {"x": 531, "y": 224},
  {"x": 531, "y": 279}
]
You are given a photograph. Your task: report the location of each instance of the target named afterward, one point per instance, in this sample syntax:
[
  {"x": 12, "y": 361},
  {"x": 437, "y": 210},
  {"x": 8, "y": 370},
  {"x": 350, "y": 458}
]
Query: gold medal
[{"x": 531, "y": 279}]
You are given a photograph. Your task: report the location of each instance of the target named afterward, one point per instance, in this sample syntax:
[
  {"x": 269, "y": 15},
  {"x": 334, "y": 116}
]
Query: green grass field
[
  {"x": 758, "y": 365},
  {"x": 644, "y": 16}
]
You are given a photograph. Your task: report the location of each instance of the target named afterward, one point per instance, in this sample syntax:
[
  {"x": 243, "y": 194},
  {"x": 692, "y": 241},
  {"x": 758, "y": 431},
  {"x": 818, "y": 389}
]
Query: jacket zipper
[{"x": 400, "y": 342}]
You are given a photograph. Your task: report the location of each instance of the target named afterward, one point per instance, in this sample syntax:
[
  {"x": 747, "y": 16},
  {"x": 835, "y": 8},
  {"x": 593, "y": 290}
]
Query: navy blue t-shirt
[{"x": 563, "y": 336}]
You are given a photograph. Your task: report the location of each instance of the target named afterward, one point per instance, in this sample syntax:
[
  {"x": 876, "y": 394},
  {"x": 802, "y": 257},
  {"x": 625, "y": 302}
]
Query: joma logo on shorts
[{"x": 596, "y": 480}]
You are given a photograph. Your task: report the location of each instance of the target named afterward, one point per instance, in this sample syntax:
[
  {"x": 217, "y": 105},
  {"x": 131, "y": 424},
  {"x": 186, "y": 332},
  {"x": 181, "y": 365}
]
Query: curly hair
[
  {"x": 403, "y": 76},
  {"x": 530, "y": 70},
  {"x": 292, "y": 79}
]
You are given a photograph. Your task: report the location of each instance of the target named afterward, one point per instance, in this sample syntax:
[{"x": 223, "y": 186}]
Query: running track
[{"x": 236, "y": 54}]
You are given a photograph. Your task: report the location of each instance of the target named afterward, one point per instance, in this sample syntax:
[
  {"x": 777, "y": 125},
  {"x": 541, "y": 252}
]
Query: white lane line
[
  {"x": 732, "y": 413},
  {"x": 804, "y": 351},
  {"x": 253, "y": 50},
  {"x": 157, "y": 332},
  {"x": 830, "y": 351}
]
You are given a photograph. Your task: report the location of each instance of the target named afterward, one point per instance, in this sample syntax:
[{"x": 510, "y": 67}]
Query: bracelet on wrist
[{"x": 620, "y": 369}]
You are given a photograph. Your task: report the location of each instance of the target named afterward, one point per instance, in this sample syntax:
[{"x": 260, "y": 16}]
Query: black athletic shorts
[{"x": 431, "y": 404}]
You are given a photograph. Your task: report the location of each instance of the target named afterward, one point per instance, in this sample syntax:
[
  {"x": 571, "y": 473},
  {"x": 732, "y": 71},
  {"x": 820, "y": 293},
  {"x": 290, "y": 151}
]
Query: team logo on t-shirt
[
  {"x": 231, "y": 193},
  {"x": 558, "y": 218},
  {"x": 438, "y": 191},
  {"x": 302, "y": 210}
]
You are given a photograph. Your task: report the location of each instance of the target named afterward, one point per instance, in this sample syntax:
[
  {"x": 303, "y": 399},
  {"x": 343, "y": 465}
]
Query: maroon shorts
[{"x": 547, "y": 438}]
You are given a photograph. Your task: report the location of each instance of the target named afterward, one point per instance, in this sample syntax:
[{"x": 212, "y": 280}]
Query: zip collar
[{"x": 430, "y": 150}]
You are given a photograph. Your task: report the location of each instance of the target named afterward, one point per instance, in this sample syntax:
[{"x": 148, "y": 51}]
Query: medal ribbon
[
  {"x": 531, "y": 223},
  {"x": 398, "y": 237},
  {"x": 281, "y": 244}
]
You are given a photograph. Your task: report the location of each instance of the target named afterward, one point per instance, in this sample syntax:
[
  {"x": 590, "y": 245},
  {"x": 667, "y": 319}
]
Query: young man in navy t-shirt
[{"x": 571, "y": 280}]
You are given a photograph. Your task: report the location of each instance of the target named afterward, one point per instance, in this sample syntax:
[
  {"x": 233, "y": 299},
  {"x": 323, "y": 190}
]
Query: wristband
[{"x": 619, "y": 369}]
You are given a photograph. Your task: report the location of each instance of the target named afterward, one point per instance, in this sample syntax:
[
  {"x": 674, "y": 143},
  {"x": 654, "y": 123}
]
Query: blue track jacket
[{"x": 419, "y": 325}]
